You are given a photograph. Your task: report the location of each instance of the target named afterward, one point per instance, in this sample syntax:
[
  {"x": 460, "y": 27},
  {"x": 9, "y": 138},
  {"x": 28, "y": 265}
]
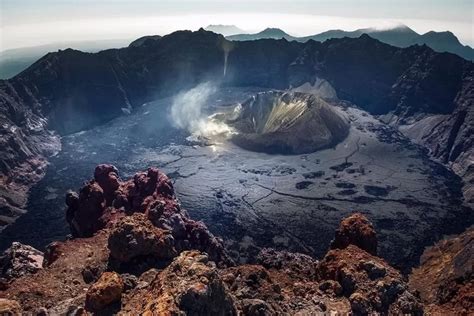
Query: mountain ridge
[{"x": 400, "y": 36}]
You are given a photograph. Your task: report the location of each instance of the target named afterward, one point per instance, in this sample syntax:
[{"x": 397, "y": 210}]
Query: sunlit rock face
[{"x": 287, "y": 123}]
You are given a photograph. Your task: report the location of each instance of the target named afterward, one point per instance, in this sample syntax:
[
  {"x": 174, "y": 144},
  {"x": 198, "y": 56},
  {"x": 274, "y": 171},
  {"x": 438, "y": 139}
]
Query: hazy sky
[{"x": 35, "y": 22}]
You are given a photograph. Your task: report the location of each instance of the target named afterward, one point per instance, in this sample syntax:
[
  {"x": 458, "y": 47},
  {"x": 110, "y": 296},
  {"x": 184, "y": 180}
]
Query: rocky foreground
[{"x": 135, "y": 251}]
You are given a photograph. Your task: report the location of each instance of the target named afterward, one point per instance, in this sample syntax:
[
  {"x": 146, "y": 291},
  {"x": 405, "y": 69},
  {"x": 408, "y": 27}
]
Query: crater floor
[{"x": 257, "y": 200}]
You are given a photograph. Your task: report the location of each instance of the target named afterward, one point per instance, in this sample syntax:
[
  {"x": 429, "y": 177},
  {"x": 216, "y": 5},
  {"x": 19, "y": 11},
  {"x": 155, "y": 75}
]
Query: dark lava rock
[
  {"x": 347, "y": 192},
  {"x": 20, "y": 260},
  {"x": 341, "y": 167},
  {"x": 313, "y": 175},
  {"x": 280, "y": 283},
  {"x": 376, "y": 191},
  {"x": 278, "y": 122},
  {"x": 345, "y": 185},
  {"x": 303, "y": 185}
]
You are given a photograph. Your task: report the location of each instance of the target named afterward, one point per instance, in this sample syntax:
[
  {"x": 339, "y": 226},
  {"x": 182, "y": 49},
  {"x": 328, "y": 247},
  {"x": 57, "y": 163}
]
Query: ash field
[{"x": 257, "y": 199}]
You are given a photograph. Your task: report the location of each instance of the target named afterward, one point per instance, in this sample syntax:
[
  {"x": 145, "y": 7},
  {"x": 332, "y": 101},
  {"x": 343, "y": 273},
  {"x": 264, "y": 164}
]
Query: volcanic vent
[{"x": 287, "y": 123}]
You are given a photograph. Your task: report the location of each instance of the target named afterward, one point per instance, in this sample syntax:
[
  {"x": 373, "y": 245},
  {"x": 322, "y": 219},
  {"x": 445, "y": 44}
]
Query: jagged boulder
[
  {"x": 107, "y": 290},
  {"x": 370, "y": 284},
  {"x": 135, "y": 236},
  {"x": 190, "y": 285},
  {"x": 106, "y": 199},
  {"x": 356, "y": 230},
  {"x": 20, "y": 260}
]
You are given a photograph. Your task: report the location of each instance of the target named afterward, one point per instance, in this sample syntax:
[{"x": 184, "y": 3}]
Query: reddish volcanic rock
[
  {"x": 190, "y": 285},
  {"x": 135, "y": 236},
  {"x": 371, "y": 285},
  {"x": 60, "y": 284},
  {"x": 107, "y": 290},
  {"x": 356, "y": 230},
  {"x": 107, "y": 178},
  {"x": 279, "y": 291},
  {"x": 84, "y": 210},
  {"x": 106, "y": 200}
]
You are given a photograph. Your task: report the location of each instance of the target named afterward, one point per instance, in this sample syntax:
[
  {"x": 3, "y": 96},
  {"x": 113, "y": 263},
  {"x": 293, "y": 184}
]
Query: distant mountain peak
[
  {"x": 274, "y": 31},
  {"x": 268, "y": 33}
]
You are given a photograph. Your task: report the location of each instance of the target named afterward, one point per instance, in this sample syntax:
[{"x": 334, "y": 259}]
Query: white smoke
[
  {"x": 227, "y": 47},
  {"x": 187, "y": 112}
]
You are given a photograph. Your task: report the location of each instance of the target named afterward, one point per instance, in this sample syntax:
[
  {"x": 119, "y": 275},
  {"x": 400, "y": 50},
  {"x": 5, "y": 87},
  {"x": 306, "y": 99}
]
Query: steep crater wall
[{"x": 287, "y": 123}]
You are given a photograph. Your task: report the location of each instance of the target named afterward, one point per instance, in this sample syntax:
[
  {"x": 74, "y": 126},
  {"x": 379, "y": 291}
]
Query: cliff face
[
  {"x": 24, "y": 145},
  {"x": 68, "y": 91},
  {"x": 150, "y": 257}
]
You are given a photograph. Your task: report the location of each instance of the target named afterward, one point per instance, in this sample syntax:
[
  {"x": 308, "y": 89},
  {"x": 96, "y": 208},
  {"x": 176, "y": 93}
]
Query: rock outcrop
[
  {"x": 161, "y": 229},
  {"x": 25, "y": 143},
  {"x": 356, "y": 230},
  {"x": 370, "y": 284},
  {"x": 188, "y": 276}
]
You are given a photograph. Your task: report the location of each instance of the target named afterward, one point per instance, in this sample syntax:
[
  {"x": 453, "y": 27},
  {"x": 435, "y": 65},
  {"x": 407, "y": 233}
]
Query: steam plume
[
  {"x": 187, "y": 112},
  {"x": 227, "y": 46}
]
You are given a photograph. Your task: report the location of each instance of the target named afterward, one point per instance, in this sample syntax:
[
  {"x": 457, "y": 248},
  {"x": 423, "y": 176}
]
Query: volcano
[{"x": 287, "y": 123}]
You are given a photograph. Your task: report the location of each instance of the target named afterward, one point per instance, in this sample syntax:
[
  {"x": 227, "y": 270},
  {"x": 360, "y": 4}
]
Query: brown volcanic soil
[{"x": 61, "y": 284}]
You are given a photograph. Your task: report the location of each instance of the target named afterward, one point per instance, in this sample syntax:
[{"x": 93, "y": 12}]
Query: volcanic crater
[{"x": 287, "y": 123}]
